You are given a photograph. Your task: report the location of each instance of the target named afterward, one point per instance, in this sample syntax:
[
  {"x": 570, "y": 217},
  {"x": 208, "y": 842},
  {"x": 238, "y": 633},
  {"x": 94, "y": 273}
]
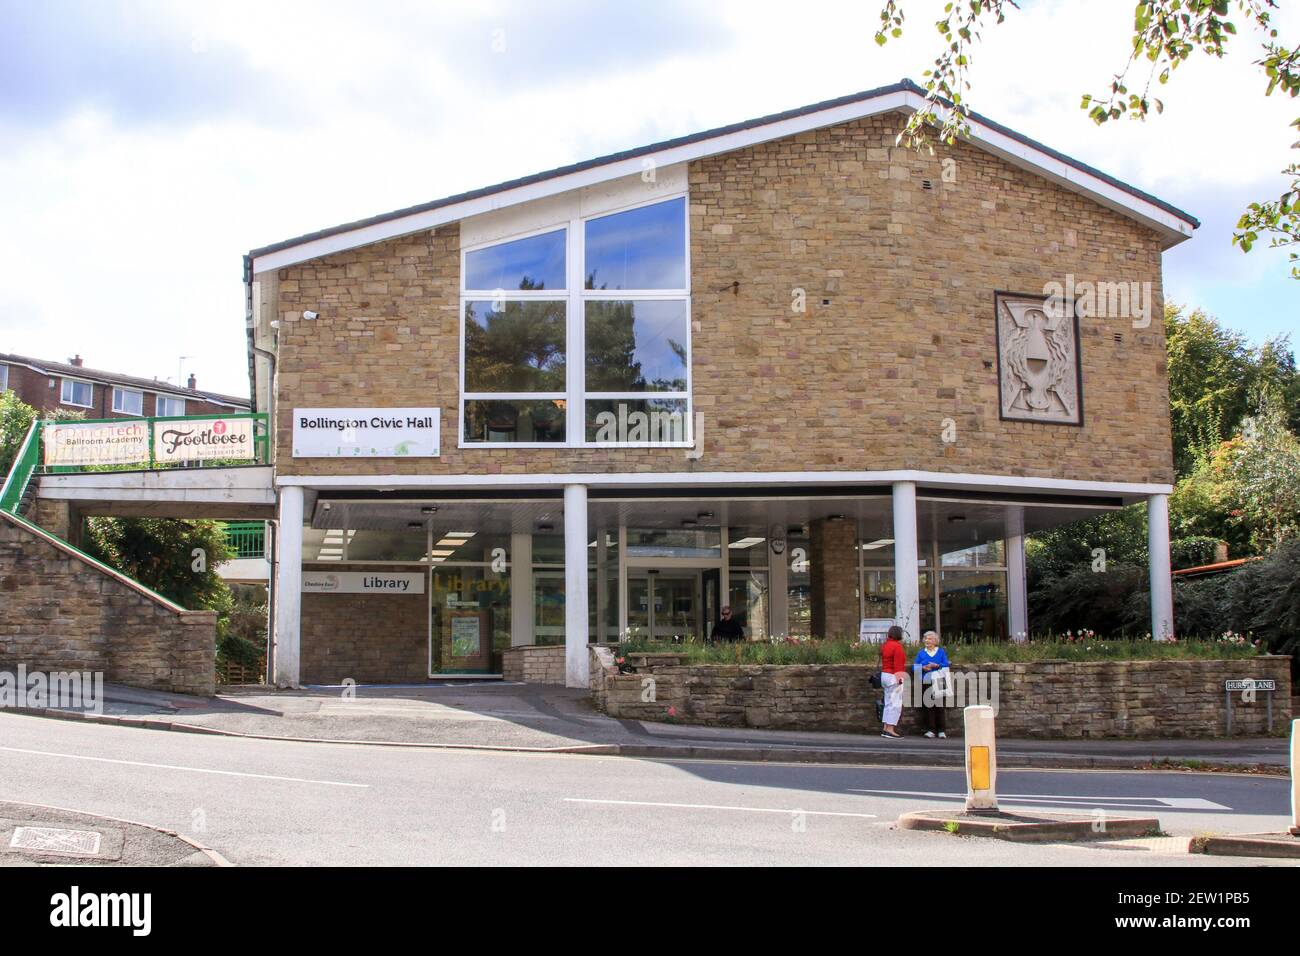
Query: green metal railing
[
  {"x": 247, "y": 538},
  {"x": 261, "y": 443},
  {"x": 20, "y": 473}
]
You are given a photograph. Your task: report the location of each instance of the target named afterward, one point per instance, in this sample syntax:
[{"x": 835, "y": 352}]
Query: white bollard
[
  {"x": 981, "y": 760},
  {"x": 1295, "y": 784}
]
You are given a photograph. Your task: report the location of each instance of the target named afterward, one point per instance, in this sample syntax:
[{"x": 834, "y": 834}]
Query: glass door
[{"x": 665, "y": 605}]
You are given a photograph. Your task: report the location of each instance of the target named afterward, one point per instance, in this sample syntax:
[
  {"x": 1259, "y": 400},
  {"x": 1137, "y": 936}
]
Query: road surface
[{"x": 268, "y": 802}]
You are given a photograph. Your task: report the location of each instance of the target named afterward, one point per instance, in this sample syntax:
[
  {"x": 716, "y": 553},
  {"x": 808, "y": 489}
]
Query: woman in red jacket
[{"x": 893, "y": 665}]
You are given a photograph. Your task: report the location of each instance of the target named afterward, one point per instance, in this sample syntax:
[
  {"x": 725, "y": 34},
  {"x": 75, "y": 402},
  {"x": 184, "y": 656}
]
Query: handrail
[
  {"x": 261, "y": 439},
  {"x": 20, "y": 472},
  {"x": 246, "y": 538}
]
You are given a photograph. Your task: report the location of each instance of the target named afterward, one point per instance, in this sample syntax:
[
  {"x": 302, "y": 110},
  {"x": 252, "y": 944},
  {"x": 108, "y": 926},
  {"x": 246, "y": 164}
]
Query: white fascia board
[
  {"x": 723, "y": 480},
  {"x": 1020, "y": 154},
  {"x": 418, "y": 222}
]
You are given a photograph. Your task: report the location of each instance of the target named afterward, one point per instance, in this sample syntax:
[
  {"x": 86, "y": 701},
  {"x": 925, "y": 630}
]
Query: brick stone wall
[
  {"x": 898, "y": 334},
  {"x": 534, "y": 664},
  {"x": 1047, "y": 699},
  {"x": 833, "y": 577},
  {"x": 60, "y": 611},
  {"x": 370, "y": 638}
]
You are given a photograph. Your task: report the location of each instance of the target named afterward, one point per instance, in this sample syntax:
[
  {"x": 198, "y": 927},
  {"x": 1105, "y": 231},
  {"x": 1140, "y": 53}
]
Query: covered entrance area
[{"x": 401, "y": 586}]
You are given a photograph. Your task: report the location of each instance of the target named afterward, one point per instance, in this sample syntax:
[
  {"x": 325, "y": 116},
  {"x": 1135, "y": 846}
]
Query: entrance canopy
[{"x": 661, "y": 566}]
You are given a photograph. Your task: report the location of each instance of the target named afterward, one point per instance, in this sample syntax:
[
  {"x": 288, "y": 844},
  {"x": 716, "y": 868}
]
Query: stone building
[{"x": 783, "y": 365}]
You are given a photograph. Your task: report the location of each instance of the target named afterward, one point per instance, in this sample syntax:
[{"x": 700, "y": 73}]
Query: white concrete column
[
  {"x": 602, "y": 586},
  {"x": 1162, "y": 593},
  {"x": 575, "y": 586},
  {"x": 1295, "y": 777},
  {"x": 521, "y": 589},
  {"x": 1017, "y": 591},
  {"x": 907, "y": 606},
  {"x": 288, "y": 587},
  {"x": 778, "y": 585}
]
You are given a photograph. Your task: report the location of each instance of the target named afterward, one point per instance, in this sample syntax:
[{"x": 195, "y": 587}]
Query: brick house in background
[
  {"x": 71, "y": 387},
  {"x": 783, "y": 365}
]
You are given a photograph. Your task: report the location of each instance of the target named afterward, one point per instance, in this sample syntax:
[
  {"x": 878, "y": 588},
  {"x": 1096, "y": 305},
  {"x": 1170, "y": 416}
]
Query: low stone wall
[
  {"x": 534, "y": 664},
  {"x": 62, "y": 611},
  {"x": 1047, "y": 699}
]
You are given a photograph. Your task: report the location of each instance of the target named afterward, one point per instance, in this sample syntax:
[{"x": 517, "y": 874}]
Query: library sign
[{"x": 366, "y": 432}]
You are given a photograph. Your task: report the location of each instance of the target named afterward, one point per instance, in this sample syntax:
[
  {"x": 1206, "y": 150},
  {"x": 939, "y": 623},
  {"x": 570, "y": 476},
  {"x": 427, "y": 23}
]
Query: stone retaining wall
[
  {"x": 63, "y": 611},
  {"x": 1048, "y": 699},
  {"x": 534, "y": 664}
]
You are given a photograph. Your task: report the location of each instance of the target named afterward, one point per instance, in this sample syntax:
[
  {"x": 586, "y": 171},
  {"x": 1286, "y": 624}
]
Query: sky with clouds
[{"x": 146, "y": 145}]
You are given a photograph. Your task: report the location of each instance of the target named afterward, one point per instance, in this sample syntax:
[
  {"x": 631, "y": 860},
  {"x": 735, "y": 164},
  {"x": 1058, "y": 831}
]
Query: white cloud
[{"x": 124, "y": 237}]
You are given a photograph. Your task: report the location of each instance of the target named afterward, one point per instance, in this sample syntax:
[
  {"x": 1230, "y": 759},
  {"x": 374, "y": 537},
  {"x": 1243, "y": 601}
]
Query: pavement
[
  {"x": 550, "y": 719},
  {"x": 40, "y": 835}
]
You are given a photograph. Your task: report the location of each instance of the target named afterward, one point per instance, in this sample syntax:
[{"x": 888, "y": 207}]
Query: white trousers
[{"x": 893, "y": 687}]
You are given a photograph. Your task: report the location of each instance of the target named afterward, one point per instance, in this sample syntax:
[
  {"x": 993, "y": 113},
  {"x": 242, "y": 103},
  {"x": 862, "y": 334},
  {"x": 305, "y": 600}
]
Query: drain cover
[{"x": 55, "y": 840}]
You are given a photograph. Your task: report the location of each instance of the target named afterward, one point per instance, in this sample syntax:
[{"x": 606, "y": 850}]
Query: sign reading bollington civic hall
[{"x": 366, "y": 432}]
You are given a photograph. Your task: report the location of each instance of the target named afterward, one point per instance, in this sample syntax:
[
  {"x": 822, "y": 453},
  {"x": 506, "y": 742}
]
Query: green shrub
[{"x": 1076, "y": 646}]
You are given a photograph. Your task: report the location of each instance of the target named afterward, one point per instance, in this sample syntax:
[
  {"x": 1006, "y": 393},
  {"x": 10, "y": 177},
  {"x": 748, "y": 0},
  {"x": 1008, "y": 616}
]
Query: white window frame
[
  {"x": 159, "y": 397},
  {"x": 118, "y": 392},
  {"x": 575, "y": 344},
  {"x": 64, "y": 390}
]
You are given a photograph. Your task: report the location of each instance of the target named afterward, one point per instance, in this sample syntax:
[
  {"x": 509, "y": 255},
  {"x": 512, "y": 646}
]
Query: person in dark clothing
[{"x": 728, "y": 628}]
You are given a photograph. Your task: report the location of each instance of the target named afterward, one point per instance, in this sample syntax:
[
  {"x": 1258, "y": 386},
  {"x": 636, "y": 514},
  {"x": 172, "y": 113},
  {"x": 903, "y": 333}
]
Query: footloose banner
[
  {"x": 366, "y": 432},
  {"x": 203, "y": 440},
  {"x": 99, "y": 443}
]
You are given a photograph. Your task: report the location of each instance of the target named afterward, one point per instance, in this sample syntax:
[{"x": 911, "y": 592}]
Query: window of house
[
  {"x": 4, "y": 377},
  {"x": 128, "y": 402},
  {"x": 77, "y": 393},
  {"x": 580, "y": 335},
  {"x": 168, "y": 406}
]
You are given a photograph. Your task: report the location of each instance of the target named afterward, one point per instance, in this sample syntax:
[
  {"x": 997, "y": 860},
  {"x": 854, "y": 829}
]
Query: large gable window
[{"x": 580, "y": 335}]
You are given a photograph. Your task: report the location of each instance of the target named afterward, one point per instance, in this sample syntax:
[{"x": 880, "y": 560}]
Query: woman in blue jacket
[{"x": 931, "y": 662}]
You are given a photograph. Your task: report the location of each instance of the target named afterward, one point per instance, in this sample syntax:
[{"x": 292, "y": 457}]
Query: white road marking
[
  {"x": 1173, "y": 803},
  {"x": 711, "y": 806},
  {"x": 168, "y": 766}
]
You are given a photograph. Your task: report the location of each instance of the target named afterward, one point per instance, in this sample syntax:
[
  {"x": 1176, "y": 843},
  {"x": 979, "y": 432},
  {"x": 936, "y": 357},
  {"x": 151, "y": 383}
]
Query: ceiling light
[
  {"x": 441, "y": 554},
  {"x": 879, "y": 543},
  {"x": 429, "y": 510},
  {"x": 745, "y": 543},
  {"x": 460, "y": 534},
  {"x": 450, "y": 542}
]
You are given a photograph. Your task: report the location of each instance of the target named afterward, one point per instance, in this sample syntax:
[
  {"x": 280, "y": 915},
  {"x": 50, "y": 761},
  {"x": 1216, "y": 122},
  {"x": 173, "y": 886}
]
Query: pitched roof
[
  {"x": 1175, "y": 224},
  {"x": 66, "y": 369}
]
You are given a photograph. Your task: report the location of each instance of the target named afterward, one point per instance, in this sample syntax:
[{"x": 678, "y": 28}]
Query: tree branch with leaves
[{"x": 1166, "y": 33}]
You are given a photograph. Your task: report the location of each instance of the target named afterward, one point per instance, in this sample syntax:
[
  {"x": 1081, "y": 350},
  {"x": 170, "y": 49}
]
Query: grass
[{"x": 960, "y": 651}]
